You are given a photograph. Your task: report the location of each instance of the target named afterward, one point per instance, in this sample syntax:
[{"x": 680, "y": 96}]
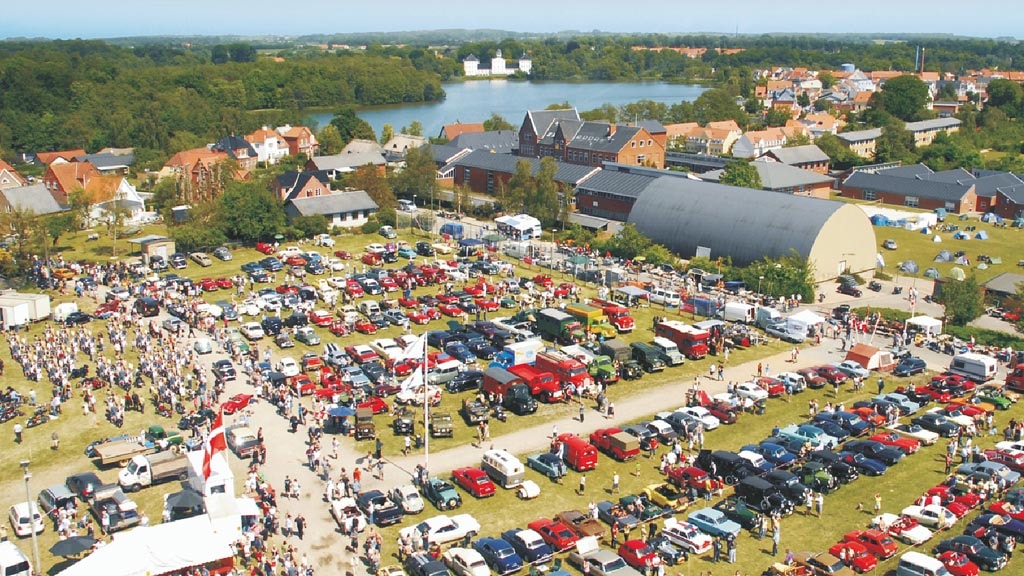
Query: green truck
[
  {"x": 593, "y": 320},
  {"x": 603, "y": 370},
  {"x": 559, "y": 326}
]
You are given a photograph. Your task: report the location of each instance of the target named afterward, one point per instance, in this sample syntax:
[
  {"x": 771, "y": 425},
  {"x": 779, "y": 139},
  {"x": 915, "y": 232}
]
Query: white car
[
  {"x": 751, "y": 391},
  {"x": 701, "y": 413},
  {"x": 271, "y": 301},
  {"x": 1010, "y": 445},
  {"x": 376, "y": 248},
  {"x": 442, "y": 248},
  {"x": 414, "y": 395},
  {"x": 442, "y": 529},
  {"x": 906, "y": 529},
  {"x": 323, "y": 240},
  {"x": 289, "y": 251},
  {"x": 387, "y": 348},
  {"x": 932, "y": 515},
  {"x": 336, "y": 265},
  {"x": 326, "y": 292},
  {"x": 926, "y": 437},
  {"x": 288, "y": 367},
  {"x": 686, "y": 536},
  {"x": 465, "y": 562},
  {"x": 19, "y": 515},
  {"x": 958, "y": 418},
  {"x": 344, "y": 509},
  {"x": 408, "y": 498},
  {"x": 250, "y": 307},
  {"x": 755, "y": 459},
  {"x": 252, "y": 331},
  {"x": 457, "y": 275}
]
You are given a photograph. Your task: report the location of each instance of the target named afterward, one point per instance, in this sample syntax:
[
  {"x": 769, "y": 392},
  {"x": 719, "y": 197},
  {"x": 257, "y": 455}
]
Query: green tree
[
  {"x": 350, "y": 126},
  {"x": 777, "y": 117},
  {"x": 330, "y": 140},
  {"x": 375, "y": 184},
  {"x": 950, "y": 151},
  {"x": 497, "y": 122},
  {"x": 803, "y": 99},
  {"x": 309, "y": 226},
  {"x": 718, "y": 104},
  {"x": 827, "y": 80},
  {"x": 802, "y": 139},
  {"x": 904, "y": 97},
  {"x": 521, "y": 187},
  {"x": 251, "y": 212},
  {"x": 387, "y": 132},
  {"x": 841, "y": 157},
  {"x": 1006, "y": 95},
  {"x": 964, "y": 301},
  {"x": 418, "y": 176},
  {"x": 628, "y": 243},
  {"x": 896, "y": 144},
  {"x": 740, "y": 173},
  {"x": 415, "y": 128},
  {"x": 58, "y": 224},
  {"x": 545, "y": 202}
]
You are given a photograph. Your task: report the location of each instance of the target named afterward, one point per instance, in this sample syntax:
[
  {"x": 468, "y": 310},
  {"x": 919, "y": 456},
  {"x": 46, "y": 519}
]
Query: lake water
[{"x": 475, "y": 101}]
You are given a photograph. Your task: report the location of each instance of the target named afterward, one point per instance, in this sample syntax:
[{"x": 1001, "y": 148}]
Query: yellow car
[
  {"x": 63, "y": 273},
  {"x": 667, "y": 496}
]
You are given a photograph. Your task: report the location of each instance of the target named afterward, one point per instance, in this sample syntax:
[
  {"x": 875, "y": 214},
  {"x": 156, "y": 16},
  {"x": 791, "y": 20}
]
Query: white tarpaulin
[
  {"x": 155, "y": 550},
  {"x": 926, "y": 324},
  {"x": 803, "y": 320}
]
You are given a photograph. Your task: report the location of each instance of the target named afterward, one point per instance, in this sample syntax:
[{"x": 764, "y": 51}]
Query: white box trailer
[
  {"x": 38, "y": 304},
  {"x": 739, "y": 312},
  {"x": 221, "y": 480},
  {"x": 13, "y": 313},
  {"x": 63, "y": 310}
]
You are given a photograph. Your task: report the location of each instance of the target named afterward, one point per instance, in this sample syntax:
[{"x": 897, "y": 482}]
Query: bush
[
  {"x": 986, "y": 337},
  {"x": 371, "y": 227},
  {"x": 887, "y": 313},
  {"x": 879, "y": 275}
]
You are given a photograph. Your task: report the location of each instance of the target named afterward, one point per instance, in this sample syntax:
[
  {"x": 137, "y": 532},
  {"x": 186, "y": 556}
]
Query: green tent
[{"x": 957, "y": 274}]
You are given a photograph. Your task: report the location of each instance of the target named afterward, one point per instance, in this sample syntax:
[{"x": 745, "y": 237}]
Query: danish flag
[{"x": 215, "y": 442}]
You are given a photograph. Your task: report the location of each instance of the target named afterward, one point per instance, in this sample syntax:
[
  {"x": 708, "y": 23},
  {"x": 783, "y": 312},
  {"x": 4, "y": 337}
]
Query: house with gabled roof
[
  {"x": 610, "y": 194},
  {"x": 109, "y": 192},
  {"x": 293, "y": 184},
  {"x": 914, "y": 187},
  {"x": 300, "y": 139},
  {"x": 779, "y": 177},
  {"x": 198, "y": 172},
  {"x": 711, "y": 141},
  {"x": 925, "y": 131},
  {"x": 63, "y": 178},
  {"x": 756, "y": 142},
  {"x": 861, "y": 142},
  {"x": 9, "y": 177},
  {"x": 485, "y": 172},
  {"x": 336, "y": 165},
  {"x": 536, "y": 124},
  {"x": 239, "y": 149},
  {"x": 270, "y": 146},
  {"x": 345, "y": 209},
  {"x": 808, "y": 157},
  {"x": 47, "y": 158},
  {"x": 400, "y": 144},
  {"x": 500, "y": 141},
  {"x": 450, "y": 132},
  {"x": 108, "y": 162},
  {"x": 34, "y": 198}
]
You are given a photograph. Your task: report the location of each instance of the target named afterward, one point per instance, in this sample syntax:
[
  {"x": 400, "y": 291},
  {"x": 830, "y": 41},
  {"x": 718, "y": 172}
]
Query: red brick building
[
  {"x": 561, "y": 135},
  {"x": 912, "y": 187}
]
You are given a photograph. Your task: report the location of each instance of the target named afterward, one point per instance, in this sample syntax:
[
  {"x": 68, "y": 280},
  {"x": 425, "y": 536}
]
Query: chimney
[{"x": 611, "y": 130}]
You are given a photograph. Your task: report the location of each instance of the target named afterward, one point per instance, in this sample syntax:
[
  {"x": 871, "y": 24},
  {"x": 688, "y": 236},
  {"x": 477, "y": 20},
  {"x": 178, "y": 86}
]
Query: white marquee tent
[
  {"x": 925, "y": 324},
  {"x": 803, "y": 320}
]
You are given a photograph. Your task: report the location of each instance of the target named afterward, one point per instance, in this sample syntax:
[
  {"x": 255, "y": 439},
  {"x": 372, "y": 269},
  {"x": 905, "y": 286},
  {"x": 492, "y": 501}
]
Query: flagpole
[{"x": 426, "y": 408}]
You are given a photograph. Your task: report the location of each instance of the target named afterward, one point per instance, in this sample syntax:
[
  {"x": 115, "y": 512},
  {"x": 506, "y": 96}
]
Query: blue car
[
  {"x": 460, "y": 352},
  {"x": 832, "y": 429},
  {"x": 250, "y": 267},
  {"x": 272, "y": 264},
  {"x": 529, "y": 545},
  {"x": 499, "y": 555},
  {"x": 407, "y": 252},
  {"x": 547, "y": 464},
  {"x": 853, "y": 424},
  {"x": 774, "y": 453},
  {"x": 863, "y": 464},
  {"x": 714, "y": 522}
]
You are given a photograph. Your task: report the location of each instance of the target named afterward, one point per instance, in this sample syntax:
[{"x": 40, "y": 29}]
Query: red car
[
  {"x": 904, "y": 444},
  {"x": 475, "y": 290},
  {"x": 773, "y": 386},
  {"x": 295, "y": 260},
  {"x": 236, "y": 403},
  {"x": 855, "y": 556},
  {"x": 208, "y": 285},
  {"x": 388, "y": 284},
  {"x": 832, "y": 374},
  {"x": 403, "y": 368},
  {"x": 374, "y": 403},
  {"x": 364, "y": 326},
  {"x": 264, "y": 248},
  {"x": 814, "y": 380},
  {"x": 563, "y": 289},
  {"x": 1005, "y": 508},
  {"x": 321, "y": 318},
  {"x": 225, "y": 283},
  {"x": 343, "y": 254},
  {"x": 447, "y": 299},
  {"x": 353, "y": 289},
  {"x": 934, "y": 391},
  {"x": 301, "y": 384},
  {"x": 965, "y": 410},
  {"x": 408, "y": 302},
  {"x": 692, "y": 477},
  {"x": 371, "y": 259},
  {"x": 638, "y": 554},
  {"x": 361, "y": 353},
  {"x": 956, "y": 380},
  {"x": 451, "y": 310},
  {"x": 488, "y": 304},
  {"x": 417, "y": 317},
  {"x": 338, "y": 328},
  {"x": 287, "y": 289},
  {"x": 543, "y": 280},
  {"x": 474, "y": 481},
  {"x": 949, "y": 498},
  {"x": 112, "y": 307},
  {"x": 870, "y": 416},
  {"x": 958, "y": 564},
  {"x": 1012, "y": 459},
  {"x": 875, "y": 541},
  {"x": 723, "y": 411},
  {"x": 555, "y": 533}
]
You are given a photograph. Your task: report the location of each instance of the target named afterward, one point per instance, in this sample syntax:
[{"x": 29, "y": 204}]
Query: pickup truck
[
  {"x": 155, "y": 439},
  {"x": 122, "y": 512},
  {"x": 146, "y": 470},
  {"x": 616, "y": 443},
  {"x": 242, "y": 440}
]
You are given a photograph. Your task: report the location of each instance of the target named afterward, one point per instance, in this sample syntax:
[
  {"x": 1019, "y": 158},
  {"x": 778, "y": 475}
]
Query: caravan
[
  {"x": 504, "y": 468},
  {"x": 977, "y": 367}
]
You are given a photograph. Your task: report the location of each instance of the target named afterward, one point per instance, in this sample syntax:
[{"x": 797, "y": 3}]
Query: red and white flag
[{"x": 215, "y": 442}]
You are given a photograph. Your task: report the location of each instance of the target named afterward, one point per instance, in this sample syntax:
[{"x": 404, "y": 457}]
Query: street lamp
[
  {"x": 759, "y": 278},
  {"x": 31, "y": 516}
]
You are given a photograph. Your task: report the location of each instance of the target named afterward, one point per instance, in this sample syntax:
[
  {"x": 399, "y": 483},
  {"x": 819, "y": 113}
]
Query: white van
[
  {"x": 505, "y": 469},
  {"x": 738, "y": 312},
  {"x": 977, "y": 367},
  {"x": 918, "y": 564},
  {"x": 669, "y": 298},
  {"x": 12, "y": 561}
]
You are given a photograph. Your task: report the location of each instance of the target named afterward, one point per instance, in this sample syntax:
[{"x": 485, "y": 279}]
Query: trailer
[
  {"x": 156, "y": 439},
  {"x": 38, "y": 304},
  {"x": 14, "y": 313}
]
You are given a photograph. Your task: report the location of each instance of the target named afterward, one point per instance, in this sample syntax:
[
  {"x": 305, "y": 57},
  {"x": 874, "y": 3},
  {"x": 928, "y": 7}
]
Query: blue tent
[
  {"x": 909, "y": 267},
  {"x": 961, "y": 235},
  {"x": 981, "y": 235},
  {"x": 931, "y": 273},
  {"x": 880, "y": 220},
  {"x": 470, "y": 242},
  {"x": 944, "y": 256},
  {"x": 926, "y": 230},
  {"x": 992, "y": 217}
]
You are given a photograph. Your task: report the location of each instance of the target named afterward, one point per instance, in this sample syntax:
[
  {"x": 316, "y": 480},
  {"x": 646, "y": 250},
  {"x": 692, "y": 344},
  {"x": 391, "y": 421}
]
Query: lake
[{"x": 474, "y": 101}]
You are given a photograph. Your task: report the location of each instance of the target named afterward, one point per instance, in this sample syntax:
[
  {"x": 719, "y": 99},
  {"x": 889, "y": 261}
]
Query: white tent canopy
[
  {"x": 803, "y": 320},
  {"x": 155, "y": 550},
  {"x": 926, "y": 324}
]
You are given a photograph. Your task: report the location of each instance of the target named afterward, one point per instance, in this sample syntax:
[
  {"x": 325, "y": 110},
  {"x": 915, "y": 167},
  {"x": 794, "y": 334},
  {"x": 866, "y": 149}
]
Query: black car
[
  {"x": 224, "y": 370},
  {"x": 222, "y": 253},
  {"x": 385, "y": 513},
  {"x": 424, "y": 565},
  {"x": 1004, "y": 525},
  {"x": 832, "y": 429},
  {"x": 76, "y": 318},
  {"x": 986, "y": 558},
  {"x": 877, "y": 450},
  {"x": 315, "y": 267},
  {"x": 295, "y": 320},
  {"x": 789, "y": 483},
  {"x": 157, "y": 263},
  {"x": 83, "y": 484},
  {"x": 842, "y": 471},
  {"x": 272, "y": 325},
  {"x": 228, "y": 310},
  {"x": 178, "y": 261},
  {"x": 425, "y": 249},
  {"x": 481, "y": 347},
  {"x": 468, "y": 380},
  {"x": 937, "y": 423},
  {"x": 908, "y": 366},
  {"x": 389, "y": 257}
]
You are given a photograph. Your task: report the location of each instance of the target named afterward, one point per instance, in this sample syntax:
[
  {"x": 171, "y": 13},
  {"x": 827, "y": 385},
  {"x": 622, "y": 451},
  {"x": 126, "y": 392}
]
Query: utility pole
[{"x": 32, "y": 518}]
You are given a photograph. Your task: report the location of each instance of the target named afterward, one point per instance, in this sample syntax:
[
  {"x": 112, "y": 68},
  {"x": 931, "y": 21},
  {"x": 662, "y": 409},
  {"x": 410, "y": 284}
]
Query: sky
[{"x": 120, "y": 18}]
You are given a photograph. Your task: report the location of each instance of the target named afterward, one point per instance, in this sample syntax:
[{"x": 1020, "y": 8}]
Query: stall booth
[{"x": 925, "y": 325}]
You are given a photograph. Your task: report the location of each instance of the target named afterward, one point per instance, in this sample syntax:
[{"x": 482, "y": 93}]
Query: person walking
[
  {"x": 776, "y": 535},
  {"x": 582, "y": 411},
  {"x": 615, "y": 483},
  {"x": 300, "y": 525},
  {"x": 819, "y": 503},
  {"x": 615, "y": 534},
  {"x": 583, "y": 484}
]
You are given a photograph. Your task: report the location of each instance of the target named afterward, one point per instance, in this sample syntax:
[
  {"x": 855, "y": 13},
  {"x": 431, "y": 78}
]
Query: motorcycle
[
  {"x": 499, "y": 414},
  {"x": 163, "y": 410},
  {"x": 897, "y": 289},
  {"x": 38, "y": 417}
]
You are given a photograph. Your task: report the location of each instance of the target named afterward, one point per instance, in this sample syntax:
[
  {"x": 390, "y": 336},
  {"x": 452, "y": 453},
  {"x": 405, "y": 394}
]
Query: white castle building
[{"x": 471, "y": 65}]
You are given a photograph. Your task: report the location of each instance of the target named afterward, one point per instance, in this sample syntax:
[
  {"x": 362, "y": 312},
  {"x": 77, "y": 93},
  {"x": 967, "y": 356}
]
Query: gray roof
[
  {"x": 742, "y": 223},
  {"x": 776, "y": 176},
  {"x": 471, "y": 58},
  {"x": 337, "y": 203},
  {"x": 799, "y": 154},
  {"x": 104, "y": 161},
  {"x": 347, "y": 160},
  {"x": 484, "y": 160},
  {"x": 652, "y": 126},
  {"x": 230, "y": 144},
  {"x": 1014, "y": 193},
  {"x": 594, "y": 136},
  {"x": 292, "y": 180},
  {"x": 34, "y": 197},
  {"x": 615, "y": 183},
  {"x": 882, "y": 182},
  {"x": 934, "y": 124},
  {"x": 541, "y": 119},
  {"x": 588, "y": 221},
  {"x": 861, "y": 135},
  {"x": 987, "y": 185},
  {"x": 912, "y": 171},
  {"x": 444, "y": 153},
  {"x": 958, "y": 176},
  {"x": 504, "y": 141},
  {"x": 1005, "y": 283}
]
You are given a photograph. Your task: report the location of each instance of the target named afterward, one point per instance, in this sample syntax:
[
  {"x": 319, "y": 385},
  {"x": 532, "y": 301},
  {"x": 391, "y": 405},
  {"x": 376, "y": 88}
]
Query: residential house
[
  {"x": 346, "y": 162},
  {"x": 35, "y": 198},
  {"x": 858, "y": 81},
  {"x": 269, "y": 145},
  {"x": 568, "y": 139},
  {"x": 343, "y": 209},
  {"x": 756, "y": 142},
  {"x": 656, "y": 129},
  {"x": 679, "y": 132},
  {"x": 1010, "y": 202},
  {"x": 487, "y": 173},
  {"x": 925, "y": 131},
  {"x": 9, "y": 177},
  {"x": 300, "y": 140},
  {"x": 911, "y": 186},
  {"x": 784, "y": 100},
  {"x": 820, "y": 124},
  {"x": 109, "y": 193},
  {"x": 238, "y": 149},
  {"x": 861, "y": 142},
  {"x": 500, "y": 141},
  {"x": 198, "y": 172},
  {"x": 362, "y": 146},
  {"x": 450, "y": 132},
  {"x": 62, "y": 178},
  {"x": 47, "y": 158},
  {"x": 610, "y": 194},
  {"x": 808, "y": 157},
  {"x": 293, "y": 184},
  {"x": 396, "y": 148},
  {"x": 779, "y": 177},
  {"x": 711, "y": 141},
  {"x": 109, "y": 163},
  {"x": 536, "y": 124}
]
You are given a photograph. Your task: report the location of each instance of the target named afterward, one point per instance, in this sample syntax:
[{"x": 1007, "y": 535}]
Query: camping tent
[
  {"x": 992, "y": 217},
  {"x": 982, "y": 266},
  {"x": 802, "y": 321},
  {"x": 1018, "y": 223},
  {"x": 926, "y": 230},
  {"x": 944, "y": 256},
  {"x": 961, "y": 260},
  {"x": 932, "y": 273},
  {"x": 961, "y": 235},
  {"x": 925, "y": 324},
  {"x": 909, "y": 267},
  {"x": 880, "y": 220},
  {"x": 957, "y": 274},
  {"x": 880, "y": 260},
  {"x": 632, "y": 295},
  {"x": 936, "y": 238},
  {"x": 871, "y": 358},
  {"x": 981, "y": 235}
]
